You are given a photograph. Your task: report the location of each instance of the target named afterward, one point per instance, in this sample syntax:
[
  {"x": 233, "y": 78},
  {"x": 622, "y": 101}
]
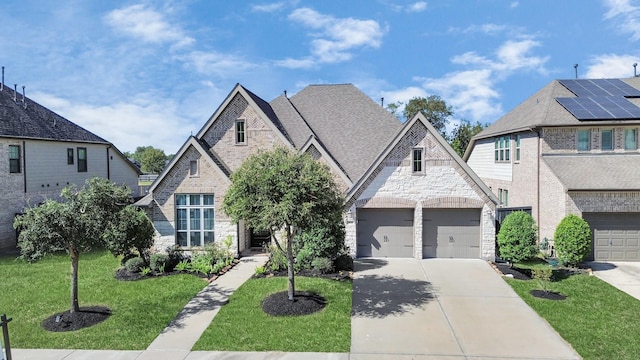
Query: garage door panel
[
  {"x": 451, "y": 233},
  {"x": 385, "y": 233},
  {"x": 615, "y": 236}
]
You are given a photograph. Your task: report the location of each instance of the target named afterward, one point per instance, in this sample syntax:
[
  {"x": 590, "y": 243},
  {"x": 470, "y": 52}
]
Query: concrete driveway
[
  {"x": 623, "y": 275},
  {"x": 453, "y": 308}
]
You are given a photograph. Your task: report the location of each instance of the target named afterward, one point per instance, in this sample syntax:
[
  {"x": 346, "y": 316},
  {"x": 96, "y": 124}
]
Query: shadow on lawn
[
  {"x": 379, "y": 296},
  {"x": 209, "y": 298}
]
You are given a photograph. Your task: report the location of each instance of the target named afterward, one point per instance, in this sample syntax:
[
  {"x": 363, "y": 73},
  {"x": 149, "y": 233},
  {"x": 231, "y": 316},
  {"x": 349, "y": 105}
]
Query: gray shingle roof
[
  {"x": 596, "y": 172},
  {"x": 542, "y": 109},
  {"x": 352, "y": 127},
  {"x": 37, "y": 122}
]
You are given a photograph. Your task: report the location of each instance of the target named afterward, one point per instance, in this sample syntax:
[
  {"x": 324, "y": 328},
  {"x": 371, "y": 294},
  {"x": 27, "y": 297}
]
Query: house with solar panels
[{"x": 571, "y": 148}]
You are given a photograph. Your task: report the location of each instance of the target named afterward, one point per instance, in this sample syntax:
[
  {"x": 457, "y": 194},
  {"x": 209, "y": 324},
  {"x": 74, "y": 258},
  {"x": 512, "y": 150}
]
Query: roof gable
[
  {"x": 198, "y": 146},
  {"x": 263, "y": 109},
  {"x": 443, "y": 147},
  {"x": 313, "y": 143}
]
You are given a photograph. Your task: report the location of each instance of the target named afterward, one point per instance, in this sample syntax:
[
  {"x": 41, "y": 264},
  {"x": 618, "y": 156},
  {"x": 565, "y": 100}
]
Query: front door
[{"x": 260, "y": 238}]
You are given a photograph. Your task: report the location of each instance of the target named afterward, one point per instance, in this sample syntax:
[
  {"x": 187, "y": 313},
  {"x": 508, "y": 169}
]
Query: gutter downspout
[
  {"x": 538, "y": 187},
  {"x": 24, "y": 164}
]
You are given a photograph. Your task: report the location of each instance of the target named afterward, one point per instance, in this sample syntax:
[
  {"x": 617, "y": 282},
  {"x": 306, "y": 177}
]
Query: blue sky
[{"x": 152, "y": 72}]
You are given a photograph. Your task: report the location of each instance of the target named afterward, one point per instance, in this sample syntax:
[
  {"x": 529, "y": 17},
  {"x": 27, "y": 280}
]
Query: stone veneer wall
[{"x": 444, "y": 184}]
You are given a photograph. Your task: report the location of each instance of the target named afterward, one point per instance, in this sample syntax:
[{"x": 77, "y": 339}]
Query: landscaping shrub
[
  {"x": 133, "y": 236},
  {"x": 322, "y": 264},
  {"x": 175, "y": 255},
  {"x": 135, "y": 264},
  {"x": 277, "y": 260},
  {"x": 303, "y": 259},
  {"x": 572, "y": 240},
  {"x": 517, "y": 237},
  {"x": 344, "y": 262},
  {"x": 324, "y": 239},
  {"x": 158, "y": 262}
]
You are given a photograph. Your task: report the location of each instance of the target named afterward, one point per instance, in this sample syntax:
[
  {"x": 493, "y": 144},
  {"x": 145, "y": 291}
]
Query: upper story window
[
  {"x": 584, "y": 140},
  {"x": 193, "y": 168},
  {"x": 241, "y": 131},
  {"x": 518, "y": 147},
  {"x": 606, "y": 140},
  {"x": 631, "y": 139},
  {"x": 14, "y": 158},
  {"x": 416, "y": 161},
  {"x": 70, "y": 156},
  {"x": 194, "y": 219},
  {"x": 82, "y": 159},
  {"x": 503, "y": 148}
]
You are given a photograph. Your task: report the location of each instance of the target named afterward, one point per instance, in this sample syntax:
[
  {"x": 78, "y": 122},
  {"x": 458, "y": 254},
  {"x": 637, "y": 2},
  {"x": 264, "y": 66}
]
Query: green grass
[
  {"x": 532, "y": 264},
  {"x": 241, "y": 325},
  {"x": 145, "y": 183},
  {"x": 598, "y": 320},
  {"x": 140, "y": 309}
]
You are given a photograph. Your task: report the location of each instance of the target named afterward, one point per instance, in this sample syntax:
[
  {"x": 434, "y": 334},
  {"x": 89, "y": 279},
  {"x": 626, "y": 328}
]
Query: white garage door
[
  {"x": 616, "y": 236},
  {"x": 451, "y": 233},
  {"x": 385, "y": 233}
]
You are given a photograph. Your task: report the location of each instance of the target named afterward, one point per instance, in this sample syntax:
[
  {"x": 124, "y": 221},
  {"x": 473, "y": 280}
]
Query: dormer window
[
  {"x": 241, "y": 132},
  {"x": 416, "y": 161}
]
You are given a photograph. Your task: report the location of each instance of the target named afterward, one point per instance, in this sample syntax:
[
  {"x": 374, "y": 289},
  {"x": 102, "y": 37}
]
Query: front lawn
[
  {"x": 140, "y": 309},
  {"x": 241, "y": 325},
  {"x": 598, "y": 320}
]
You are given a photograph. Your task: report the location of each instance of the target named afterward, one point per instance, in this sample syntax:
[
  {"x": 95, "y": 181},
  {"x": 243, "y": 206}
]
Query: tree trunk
[
  {"x": 290, "y": 260},
  {"x": 74, "y": 280}
]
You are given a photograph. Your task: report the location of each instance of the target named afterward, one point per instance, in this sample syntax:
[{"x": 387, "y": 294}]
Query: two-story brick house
[
  {"x": 571, "y": 148},
  {"x": 407, "y": 193},
  {"x": 41, "y": 152}
]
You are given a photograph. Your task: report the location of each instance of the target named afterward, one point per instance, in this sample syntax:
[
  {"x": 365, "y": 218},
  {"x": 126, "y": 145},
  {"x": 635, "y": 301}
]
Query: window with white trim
[
  {"x": 630, "y": 139},
  {"x": 194, "y": 219},
  {"x": 584, "y": 140},
  {"x": 606, "y": 140},
  {"x": 193, "y": 168},
  {"x": 241, "y": 131},
  {"x": 503, "y": 148},
  {"x": 14, "y": 159},
  {"x": 416, "y": 160}
]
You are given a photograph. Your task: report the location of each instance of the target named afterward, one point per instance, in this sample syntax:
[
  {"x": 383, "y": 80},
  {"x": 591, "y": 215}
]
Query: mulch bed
[
  {"x": 67, "y": 321},
  {"x": 303, "y": 303},
  {"x": 340, "y": 275},
  {"x": 505, "y": 269},
  {"x": 549, "y": 295}
]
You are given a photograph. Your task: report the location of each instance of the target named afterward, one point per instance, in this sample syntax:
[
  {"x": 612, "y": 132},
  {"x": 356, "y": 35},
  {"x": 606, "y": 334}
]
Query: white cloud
[
  {"x": 489, "y": 29},
  {"x": 417, "y": 7},
  {"x": 626, "y": 16},
  {"x": 514, "y": 4},
  {"x": 146, "y": 24},
  {"x": 212, "y": 63},
  {"x": 335, "y": 38},
  {"x": 269, "y": 8},
  {"x": 290, "y": 63},
  {"x": 472, "y": 92},
  {"x": 127, "y": 125},
  {"x": 611, "y": 66}
]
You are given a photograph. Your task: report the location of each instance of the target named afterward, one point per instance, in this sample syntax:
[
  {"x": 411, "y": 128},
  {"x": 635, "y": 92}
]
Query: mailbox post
[{"x": 4, "y": 322}]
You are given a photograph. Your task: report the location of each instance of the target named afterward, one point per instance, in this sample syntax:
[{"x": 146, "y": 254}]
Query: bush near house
[
  {"x": 517, "y": 238},
  {"x": 572, "y": 240}
]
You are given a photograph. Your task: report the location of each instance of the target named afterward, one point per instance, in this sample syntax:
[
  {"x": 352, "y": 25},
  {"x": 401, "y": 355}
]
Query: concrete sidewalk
[{"x": 444, "y": 308}]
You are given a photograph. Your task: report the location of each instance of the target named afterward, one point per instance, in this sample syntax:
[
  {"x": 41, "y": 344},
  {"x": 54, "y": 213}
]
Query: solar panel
[
  {"x": 600, "y": 87},
  {"x": 600, "y": 108}
]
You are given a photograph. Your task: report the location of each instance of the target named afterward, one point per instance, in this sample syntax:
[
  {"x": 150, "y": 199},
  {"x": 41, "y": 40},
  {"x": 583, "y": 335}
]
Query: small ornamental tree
[
  {"x": 517, "y": 237},
  {"x": 80, "y": 221},
  {"x": 572, "y": 240},
  {"x": 282, "y": 191}
]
